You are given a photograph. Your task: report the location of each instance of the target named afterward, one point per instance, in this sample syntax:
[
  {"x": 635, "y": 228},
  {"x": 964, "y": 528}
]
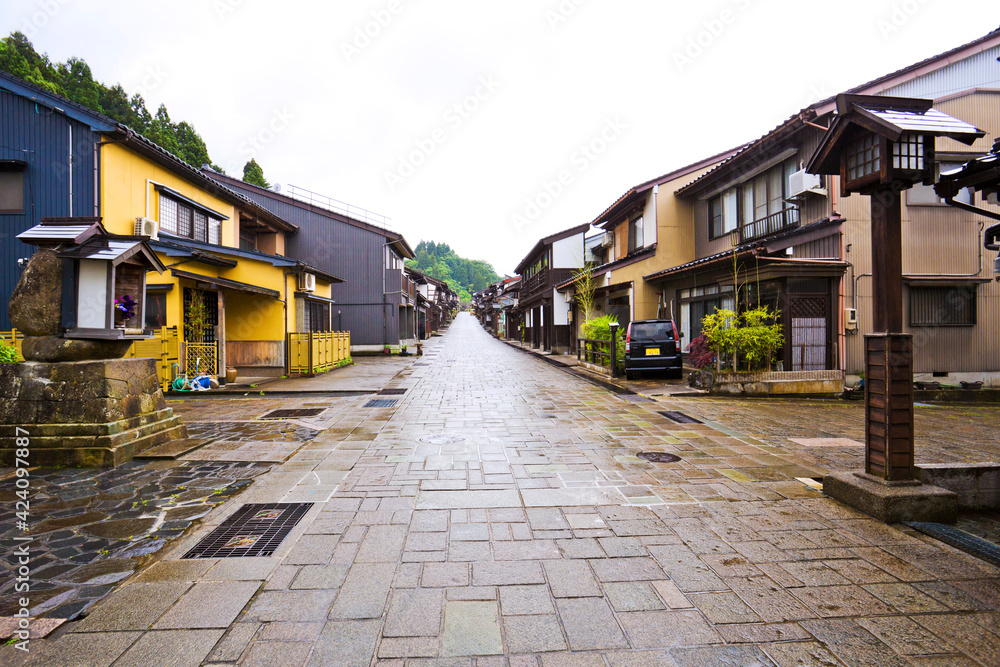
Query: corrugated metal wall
[
  {"x": 977, "y": 71},
  {"x": 41, "y": 137},
  {"x": 352, "y": 253}
]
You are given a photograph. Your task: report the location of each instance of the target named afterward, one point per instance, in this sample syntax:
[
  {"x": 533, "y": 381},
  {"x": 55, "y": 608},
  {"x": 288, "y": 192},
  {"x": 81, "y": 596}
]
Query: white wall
[
  {"x": 92, "y": 294},
  {"x": 649, "y": 220},
  {"x": 568, "y": 253},
  {"x": 560, "y": 309}
]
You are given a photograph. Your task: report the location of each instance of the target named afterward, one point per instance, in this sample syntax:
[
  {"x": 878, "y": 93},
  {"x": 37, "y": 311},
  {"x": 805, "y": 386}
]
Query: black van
[{"x": 652, "y": 345}]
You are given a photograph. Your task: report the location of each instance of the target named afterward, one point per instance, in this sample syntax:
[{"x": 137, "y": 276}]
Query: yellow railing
[
  {"x": 164, "y": 347},
  {"x": 317, "y": 352},
  {"x": 13, "y": 336}
]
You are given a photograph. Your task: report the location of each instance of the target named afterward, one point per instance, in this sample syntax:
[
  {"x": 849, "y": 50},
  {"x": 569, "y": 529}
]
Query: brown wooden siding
[{"x": 255, "y": 353}]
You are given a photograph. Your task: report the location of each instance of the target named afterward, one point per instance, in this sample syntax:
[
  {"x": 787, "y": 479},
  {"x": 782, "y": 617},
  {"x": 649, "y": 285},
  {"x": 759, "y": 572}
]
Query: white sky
[{"x": 293, "y": 85}]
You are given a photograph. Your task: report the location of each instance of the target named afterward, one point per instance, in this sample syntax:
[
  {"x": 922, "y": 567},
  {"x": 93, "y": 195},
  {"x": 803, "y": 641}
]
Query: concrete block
[{"x": 892, "y": 502}]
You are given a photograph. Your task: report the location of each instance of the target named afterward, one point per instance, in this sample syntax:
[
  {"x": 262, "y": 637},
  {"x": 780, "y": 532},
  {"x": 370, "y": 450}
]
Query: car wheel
[{"x": 629, "y": 375}]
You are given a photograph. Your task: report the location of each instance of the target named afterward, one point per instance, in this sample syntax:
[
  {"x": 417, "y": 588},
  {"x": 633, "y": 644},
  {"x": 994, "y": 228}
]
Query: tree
[
  {"x": 585, "y": 287},
  {"x": 191, "y": 145},
  {"x": 78, "y": 84},
  {"x": 254, "y": 175}
]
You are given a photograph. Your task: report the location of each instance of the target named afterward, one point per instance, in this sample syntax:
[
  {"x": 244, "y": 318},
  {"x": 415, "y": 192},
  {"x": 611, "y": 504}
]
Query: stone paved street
[{"x": 497, "y": 515}]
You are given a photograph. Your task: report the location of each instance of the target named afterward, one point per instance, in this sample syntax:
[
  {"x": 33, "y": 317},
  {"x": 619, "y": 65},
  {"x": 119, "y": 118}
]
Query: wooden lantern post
[{"x": 882, "y": 146}]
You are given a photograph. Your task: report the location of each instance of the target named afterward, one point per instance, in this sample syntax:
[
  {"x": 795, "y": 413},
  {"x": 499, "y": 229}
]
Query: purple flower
[{"x": 126, "y": 305}]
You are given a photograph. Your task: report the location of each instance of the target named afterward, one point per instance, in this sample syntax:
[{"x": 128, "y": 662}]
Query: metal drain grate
[
  {"x": 392, "y": 392},
  {"x": 658, "y": 457},
  {"x": 679, "y": 417},
  {"x": 635, "y": 398},
  {"x": 254, "y": 530},
  {"x": 960, "y": 539},
  {"x": 292, "y": 413},
  {"x": 420, "y": 364},
  {"x": 381, "y": 403}
]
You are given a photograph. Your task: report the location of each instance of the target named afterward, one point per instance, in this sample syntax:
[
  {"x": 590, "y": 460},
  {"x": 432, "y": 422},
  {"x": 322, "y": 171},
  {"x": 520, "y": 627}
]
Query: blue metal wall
[
  {"x": 351, "y": 252},
  {"x": 40, "y": 136}
]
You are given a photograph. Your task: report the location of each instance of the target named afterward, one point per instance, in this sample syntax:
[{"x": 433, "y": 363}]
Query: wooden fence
[
  {"x": 593, "y": 351},
  {"x": 164, "y": 347},
  {"x": 317, "y": 352}
]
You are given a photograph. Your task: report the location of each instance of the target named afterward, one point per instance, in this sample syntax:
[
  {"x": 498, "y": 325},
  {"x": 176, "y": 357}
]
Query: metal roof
[
  {"x": 931, "y": 121},
  {"x": 116, "y": 251},
  {"x": 225, "y": 283},
  {"x": 60, "y": 230}
]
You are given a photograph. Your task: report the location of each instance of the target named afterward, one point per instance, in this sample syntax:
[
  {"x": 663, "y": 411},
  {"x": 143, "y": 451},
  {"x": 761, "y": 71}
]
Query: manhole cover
[
  {"x": 960, "y": 539},
  {"x": 658, "y": 457},
  {"x": 444, "y": 439},
  {"x": 679, "y": 417},
  {"x": 292, "y": 413},
  {"x": 392, "y": 392},
  {"x": 381, "y": 403},
  {"x": 254, "y": 530}
]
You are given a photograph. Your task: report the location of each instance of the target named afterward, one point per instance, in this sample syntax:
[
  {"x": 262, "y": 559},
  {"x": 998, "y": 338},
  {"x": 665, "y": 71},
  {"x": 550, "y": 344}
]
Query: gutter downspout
[{"x": 70, "y": 127}]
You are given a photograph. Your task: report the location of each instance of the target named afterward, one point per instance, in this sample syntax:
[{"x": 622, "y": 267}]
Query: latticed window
[
  {"x": 942, "y": 306},
  {"x": 908, "y": 152},
  {"x": 168, "y": 215},
  {"x": 183, "y": 220},
  {"x": 864, "y": 157}
]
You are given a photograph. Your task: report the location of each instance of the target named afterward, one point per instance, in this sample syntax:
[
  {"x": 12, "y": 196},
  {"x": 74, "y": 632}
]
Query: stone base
[
  {"x": 977, "y": 484},
  {"x": 83, "y": 414},
  {"x": 892, "y": 502}
]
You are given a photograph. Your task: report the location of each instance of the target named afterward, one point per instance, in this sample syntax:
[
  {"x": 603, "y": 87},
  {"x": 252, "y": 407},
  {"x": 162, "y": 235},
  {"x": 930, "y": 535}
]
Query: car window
[{"x": 653, "y": 330}]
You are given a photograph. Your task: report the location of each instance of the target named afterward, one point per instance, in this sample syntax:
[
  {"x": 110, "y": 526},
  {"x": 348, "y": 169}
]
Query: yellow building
[{"x": 232, "y": 295}]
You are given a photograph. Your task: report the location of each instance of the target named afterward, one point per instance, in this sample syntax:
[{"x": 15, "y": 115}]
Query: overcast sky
[{"x": 457, "y": 118}]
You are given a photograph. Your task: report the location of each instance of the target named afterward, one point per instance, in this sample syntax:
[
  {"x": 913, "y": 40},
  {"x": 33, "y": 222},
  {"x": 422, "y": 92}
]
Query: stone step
[{"x": 174, "y": 449}]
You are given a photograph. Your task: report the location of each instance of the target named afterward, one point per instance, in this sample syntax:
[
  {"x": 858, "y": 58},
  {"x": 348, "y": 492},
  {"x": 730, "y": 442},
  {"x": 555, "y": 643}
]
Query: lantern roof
[
  {"x": 57, "y": 231},
  {"x": 116, "y": 249},
  {"x": 889, "y": 117}
]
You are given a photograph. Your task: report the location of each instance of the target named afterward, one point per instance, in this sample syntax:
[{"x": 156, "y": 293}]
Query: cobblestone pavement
[{"x": 498, "y": 516}]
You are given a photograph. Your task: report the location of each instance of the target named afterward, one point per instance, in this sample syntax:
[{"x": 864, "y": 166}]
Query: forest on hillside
[
  {"x": 465, "y": 276},
  {"x": 74, "y": 81}
]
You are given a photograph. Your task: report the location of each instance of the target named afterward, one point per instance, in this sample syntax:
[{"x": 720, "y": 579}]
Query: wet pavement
[{"x": 498, "y": 515}]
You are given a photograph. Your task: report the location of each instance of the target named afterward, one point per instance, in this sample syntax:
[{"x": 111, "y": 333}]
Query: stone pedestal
[
  {"x": 892, "y": 502},
  {"x": 83, "y": 413}
]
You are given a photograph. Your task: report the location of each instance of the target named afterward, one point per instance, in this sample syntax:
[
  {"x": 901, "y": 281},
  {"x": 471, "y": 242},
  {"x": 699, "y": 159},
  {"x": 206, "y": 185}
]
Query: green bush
[
  {"x": 8, "y": 354},
  {"x": 753, "y": 336},
  {"x": 599, "y": 328}
]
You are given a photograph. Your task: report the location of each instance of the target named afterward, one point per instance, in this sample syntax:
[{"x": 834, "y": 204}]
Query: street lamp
[{"x": 882, "y": 146}]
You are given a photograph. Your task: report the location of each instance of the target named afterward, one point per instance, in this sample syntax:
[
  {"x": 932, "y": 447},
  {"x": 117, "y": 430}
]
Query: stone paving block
[
  {"x": 471, "y": 628},
  {"x": 427, "y": 541},
  {"x": 235, "y": 642},
  {"x": 470, "y": 532},
  {"x": 852, "y": 644},
  {"x": 469, "y": 551},
  {"x": 414, "y": 613},
  {"x": 311, "y": 550},
  {"x": 346, "y": 644},
  {"x": 382, "y": 544},
  {"x": 620, "y": 547},
  {"x": 299, "y": 632},
  {"x": 277, "y": 653},
  {"x": 686, "y": 570},
  {"x": 761, "y": 633},
  {"x": 590, "y": 624},
  {"x": 291, "y": 606},
  {"x": 170, "y": 648},
  {"x": 526, "y": 550},
  {"x": 407, "y": 647},
  {"x": 745, "y": 656},
  {"x": 964, "y": 634},
  {"x": 905, "y": 598},
  {"x": 572, "y": 660},
  {"x": 587, "y": 497},
  {"x": 282, "y": 577},
  {"x": 472, "y": 593},
  {"x": 723, "y": 608},
  {"x": 212, "y": 604},
  {"x": 525, "y": 600},
  {"x": 671, "y": 595},
  {"x": 432, "y": 500},
  {"x": 800, "y": 654},
  {"x": 627, "y": 569},
  {"x": 91, "y": 649},
  {"x": 666, "y": 629},
  {"x": 506, "y": 574},
  {"x": 533, "y": 634},
  {"x": 364, "y": 592},
  {"x": 904, "y": 636},
  {"x": 133, "y": 607},
  {"x": 770, "y": 601},
  {"x": 241, "y": 569},
  {"x": 176, "y": 570},
  {"x": 632, "y": 596},
  {"x": 323, "y": 577},
  {"x": 841, "y": 601},
  {"x": 580, "y": 548}
]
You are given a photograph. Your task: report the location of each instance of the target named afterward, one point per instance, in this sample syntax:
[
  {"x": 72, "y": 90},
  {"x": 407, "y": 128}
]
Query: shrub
[
  {"x": 599, "y": 328},
  {"x": 8, "y": 354},
  {"x": 753, "y": 335},
  {"x": 700, "y": 354}
]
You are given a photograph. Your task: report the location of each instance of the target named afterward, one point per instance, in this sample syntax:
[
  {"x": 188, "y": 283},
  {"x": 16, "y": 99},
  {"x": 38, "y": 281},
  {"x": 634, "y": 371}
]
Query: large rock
[
  {"x": 54, "y": 348},
  {"x": 36, "y": 302}
]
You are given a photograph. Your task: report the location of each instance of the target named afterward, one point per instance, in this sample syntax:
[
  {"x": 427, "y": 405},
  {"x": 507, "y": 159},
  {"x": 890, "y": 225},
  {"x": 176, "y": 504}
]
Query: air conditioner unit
[
  {"x": 568, "y": 296},
  {"x": 801, "y": 182},
  {"x": 307, "y": 282},
  {"x": 851, "y": 319},
  {"x": 607, "y": 240},
  {"x": 147, "y": 227}
]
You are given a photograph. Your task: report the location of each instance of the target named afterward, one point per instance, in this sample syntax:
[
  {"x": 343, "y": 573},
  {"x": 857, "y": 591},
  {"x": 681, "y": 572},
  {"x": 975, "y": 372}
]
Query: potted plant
[
  {"x": 402, "y": 350},
  {"x": 125, "y": 305},
  {"x": 386, "y": 349}
]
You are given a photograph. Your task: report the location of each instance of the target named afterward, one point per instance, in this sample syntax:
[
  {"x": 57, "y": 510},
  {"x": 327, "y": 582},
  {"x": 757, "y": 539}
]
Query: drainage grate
[
  {"x": 658, "y": 457},
  {"x": 292, "y": 413},
  {"x": 679, "y": 417},
  {"x": 960, "y": 539},
  {"x": 392, "y": 392},
  {"x": 254, "y": 530},
  {"x": 381, "y": 403},
  {"x": 635, "y": 398},
  {"x": 420, "y": 364}
]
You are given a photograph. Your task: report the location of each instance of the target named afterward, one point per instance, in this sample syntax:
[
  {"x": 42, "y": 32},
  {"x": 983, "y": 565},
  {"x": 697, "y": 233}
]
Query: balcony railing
[
  {"x": 535, "y": 282},
  {"x": 776, "y": 222}
]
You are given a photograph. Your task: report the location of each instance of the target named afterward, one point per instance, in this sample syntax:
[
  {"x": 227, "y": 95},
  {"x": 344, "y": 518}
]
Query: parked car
[{"x": 651, "y": 345}]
